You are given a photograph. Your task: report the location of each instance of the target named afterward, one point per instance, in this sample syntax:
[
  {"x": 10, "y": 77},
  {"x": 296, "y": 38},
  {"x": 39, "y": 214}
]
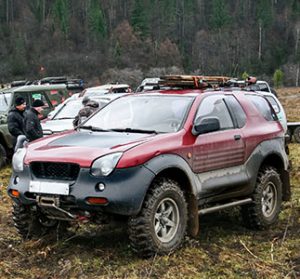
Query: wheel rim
[
  {"x": 166, "y": 220},
  {"x": 269, "y": 199}
]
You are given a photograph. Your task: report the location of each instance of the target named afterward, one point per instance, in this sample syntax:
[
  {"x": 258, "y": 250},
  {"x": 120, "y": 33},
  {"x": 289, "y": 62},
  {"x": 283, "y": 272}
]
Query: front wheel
[
  {"x": 161, "y": 225},
  {"x": 3, "y": 156},
  {"x": 267, "y": 199},
  {"x": 33, "y": 224}
]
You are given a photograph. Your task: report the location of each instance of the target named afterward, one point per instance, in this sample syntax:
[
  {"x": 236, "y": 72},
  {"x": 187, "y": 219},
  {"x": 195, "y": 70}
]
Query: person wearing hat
[
  {"x": 15, "y": 119},
  {"x": 32, "y": 125},
  {"x": 89, "y": 107}
]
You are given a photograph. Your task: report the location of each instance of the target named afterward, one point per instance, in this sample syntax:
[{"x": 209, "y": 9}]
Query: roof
[{"x": 30, "y": 88}]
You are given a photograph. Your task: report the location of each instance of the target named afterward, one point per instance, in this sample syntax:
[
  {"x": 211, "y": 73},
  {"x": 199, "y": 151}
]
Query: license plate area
[{"x": 45, "y": 187}]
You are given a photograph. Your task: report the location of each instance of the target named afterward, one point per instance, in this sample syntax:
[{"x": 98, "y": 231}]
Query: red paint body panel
[{"x": 209, "y": 151}]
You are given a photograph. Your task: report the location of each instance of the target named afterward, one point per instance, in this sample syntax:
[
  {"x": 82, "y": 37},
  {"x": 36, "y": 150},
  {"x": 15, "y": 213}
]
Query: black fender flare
[{"x": 161, "y": 165}]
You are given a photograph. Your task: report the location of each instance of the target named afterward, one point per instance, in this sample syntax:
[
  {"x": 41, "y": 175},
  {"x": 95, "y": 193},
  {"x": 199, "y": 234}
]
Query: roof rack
[{"x": 195, "y": 82}]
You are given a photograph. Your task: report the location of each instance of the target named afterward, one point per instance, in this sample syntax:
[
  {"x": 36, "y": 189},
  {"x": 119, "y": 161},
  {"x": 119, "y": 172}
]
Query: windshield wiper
[
  {"x": 61, "y": 118},
  {"x": 93, "y": 128},
  {"x": 131, "y": 130}
]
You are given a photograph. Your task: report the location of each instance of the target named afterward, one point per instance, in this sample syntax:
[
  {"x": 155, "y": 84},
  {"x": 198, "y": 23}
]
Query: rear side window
[
  {"x": 214, "y": 106},
  {"x": 273, "y": 103},
  {"x": 263, "y": 87},
  {"x": 263, "y": 107},
  {"x": 236, "y": 111}
]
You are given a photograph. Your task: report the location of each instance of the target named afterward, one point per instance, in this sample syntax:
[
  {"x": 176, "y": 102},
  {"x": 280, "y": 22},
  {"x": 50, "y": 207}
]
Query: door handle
[{"x": 237, "y": 137}]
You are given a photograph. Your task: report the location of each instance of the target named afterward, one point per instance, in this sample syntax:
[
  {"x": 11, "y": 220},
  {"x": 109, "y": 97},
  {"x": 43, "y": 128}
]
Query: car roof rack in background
[
  {"x": 17, "y": 83},
  {"x": 53, "y": 80},
  {"x": 194, "y": 82}
]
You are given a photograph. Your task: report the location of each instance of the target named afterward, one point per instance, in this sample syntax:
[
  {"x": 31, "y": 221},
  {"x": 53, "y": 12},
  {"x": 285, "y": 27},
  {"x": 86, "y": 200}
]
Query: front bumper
[{"x": 124, "y": 190}]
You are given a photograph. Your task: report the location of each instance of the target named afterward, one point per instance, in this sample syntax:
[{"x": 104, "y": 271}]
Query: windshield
[
  {"x": 161, "y": 114},
  {"x": 69, "y": 110},
  {"x": 4, "y": 101}
]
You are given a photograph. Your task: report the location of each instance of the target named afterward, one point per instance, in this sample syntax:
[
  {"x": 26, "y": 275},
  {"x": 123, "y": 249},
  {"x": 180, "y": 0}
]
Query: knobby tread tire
[
  {"x": 28, "y": 226},
  {"x": 252, "y": 213},
  {"x": 141, "y": 235},
  {"x": 297, "y": 134},
  {"x": 3, "y": 156}
]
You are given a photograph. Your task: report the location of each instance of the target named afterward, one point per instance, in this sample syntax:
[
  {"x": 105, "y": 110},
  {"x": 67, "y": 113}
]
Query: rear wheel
[
  {"x": 32, "y": 224},
  {"x": 297, "y": 134},
  {"x": 3, "y": 156},
  {"x": 267, "y": 199},
  {"x": 161, "y": 225}
]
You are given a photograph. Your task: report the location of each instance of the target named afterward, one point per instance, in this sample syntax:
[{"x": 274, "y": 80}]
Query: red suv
[{"x": 158, "y": 160}]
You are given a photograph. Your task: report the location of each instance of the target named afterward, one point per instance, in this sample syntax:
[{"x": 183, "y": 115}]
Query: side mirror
[{"x": 205, "y": 125}]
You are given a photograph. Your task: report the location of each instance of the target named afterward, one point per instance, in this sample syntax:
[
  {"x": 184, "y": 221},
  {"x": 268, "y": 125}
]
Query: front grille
[{"x": 59, "y": 171}]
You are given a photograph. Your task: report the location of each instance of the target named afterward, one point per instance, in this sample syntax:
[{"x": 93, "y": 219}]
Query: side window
[
  {"x": 57, "y": 96},
  {"x": 263, "y": 107},
  {"x": 263, "y": 87},
  {"x": 236, "y": 111},
  {"x": 42, "y": 97},
  {"x": 214, "y": 106},
  {"x": 273, "y": 103}
]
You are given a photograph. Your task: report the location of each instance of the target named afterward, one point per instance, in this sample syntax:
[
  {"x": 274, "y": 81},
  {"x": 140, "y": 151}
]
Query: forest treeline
[{"x": 127, "y": 40}]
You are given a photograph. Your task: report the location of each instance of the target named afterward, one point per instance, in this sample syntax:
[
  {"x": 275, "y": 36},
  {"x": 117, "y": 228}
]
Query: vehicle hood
[
  {"x": 55, "y": 126},
  {"x": 82, "y": 147}
]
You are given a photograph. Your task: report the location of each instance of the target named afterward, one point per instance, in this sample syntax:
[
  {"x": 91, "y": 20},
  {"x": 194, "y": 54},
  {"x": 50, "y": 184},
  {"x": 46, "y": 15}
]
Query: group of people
[{"x": 26, "y": 122}]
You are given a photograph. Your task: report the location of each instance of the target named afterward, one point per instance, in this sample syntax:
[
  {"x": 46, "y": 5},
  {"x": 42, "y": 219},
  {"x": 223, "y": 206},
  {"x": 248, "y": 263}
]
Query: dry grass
[{"x": 224, "y": 248}]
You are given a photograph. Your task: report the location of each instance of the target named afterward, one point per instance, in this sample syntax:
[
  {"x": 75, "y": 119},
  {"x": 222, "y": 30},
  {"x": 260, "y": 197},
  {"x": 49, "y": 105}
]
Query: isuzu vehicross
[{"x": 157, "y": 160}]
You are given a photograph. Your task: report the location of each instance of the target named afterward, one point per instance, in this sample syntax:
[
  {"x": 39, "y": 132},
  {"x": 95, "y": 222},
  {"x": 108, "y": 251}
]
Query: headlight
[
  {"x": 18, "y": 158},
  {"x": 103, "y": 166}
]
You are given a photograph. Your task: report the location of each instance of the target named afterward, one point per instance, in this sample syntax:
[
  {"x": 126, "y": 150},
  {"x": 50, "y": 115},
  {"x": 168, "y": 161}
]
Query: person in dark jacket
[
  {"x": 89, "y": 108},
  {"x": 15, "y": 119},
  {"x": 32, "y": 125}
]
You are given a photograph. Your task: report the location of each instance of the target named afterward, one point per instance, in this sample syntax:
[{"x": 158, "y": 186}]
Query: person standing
[
  {"x": 32, "y": 125},
  {"x": 89, "y": 107},
  {"x": 15, "y": 119}
]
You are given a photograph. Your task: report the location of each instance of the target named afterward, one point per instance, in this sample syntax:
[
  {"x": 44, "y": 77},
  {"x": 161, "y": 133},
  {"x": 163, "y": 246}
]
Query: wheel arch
[
  {"x": 274, "y": 160},
  {"x": 176, "y": 168}
]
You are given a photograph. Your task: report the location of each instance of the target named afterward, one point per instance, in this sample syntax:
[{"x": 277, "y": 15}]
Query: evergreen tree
[
  {"x": 97, "y": 22},
  {"x": 139, "y": 19},
  {"x": 264, "y": 12},
  {"x": 220, "y": 16},
  {"x": 278, "y": 78},
  {"x": 61, "y": 14}
]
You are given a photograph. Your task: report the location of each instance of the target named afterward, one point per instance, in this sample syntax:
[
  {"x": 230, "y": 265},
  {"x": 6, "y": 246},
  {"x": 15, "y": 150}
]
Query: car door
[{"x": 219, "y": 156}]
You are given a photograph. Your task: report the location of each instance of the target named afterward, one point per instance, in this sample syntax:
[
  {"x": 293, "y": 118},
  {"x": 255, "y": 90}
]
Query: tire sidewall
[
  {"x": 3, "y": 156},
  {"x": 273, "y": 177},
  {"x": 297, "y": 134},
  {"x": 178, "y": 237}
]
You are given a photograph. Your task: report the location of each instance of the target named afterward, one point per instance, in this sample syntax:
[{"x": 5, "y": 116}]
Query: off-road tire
[
  {"x": 296, "y": 134},
  {"x": 267, "y": 199},
  {"x": 160, "y": 226},
  {"x": 3, "y": 156},
  {"x": 29, "y": 225}
]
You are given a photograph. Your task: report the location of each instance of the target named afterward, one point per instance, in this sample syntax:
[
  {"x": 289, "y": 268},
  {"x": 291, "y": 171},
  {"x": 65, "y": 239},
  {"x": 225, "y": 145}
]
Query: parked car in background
[
  {"x": 61, "y": 119},
  {"x": 148, "y": 84},
  {"x": 51, "y": 95},
  {"x": 106, "y": 89}
]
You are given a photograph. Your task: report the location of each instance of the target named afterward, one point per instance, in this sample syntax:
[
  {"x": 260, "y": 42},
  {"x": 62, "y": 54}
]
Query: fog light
[
  {"x": 100, "y": 186},
  {"x": 16, "y": 180}
]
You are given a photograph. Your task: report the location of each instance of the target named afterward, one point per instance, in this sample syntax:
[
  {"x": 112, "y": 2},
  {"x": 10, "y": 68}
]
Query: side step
[{"x": 223, "y": 206}]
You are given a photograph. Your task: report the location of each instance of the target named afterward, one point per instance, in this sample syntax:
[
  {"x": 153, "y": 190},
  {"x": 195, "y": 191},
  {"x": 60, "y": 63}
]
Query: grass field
[{"x": 224, "y": 248}]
